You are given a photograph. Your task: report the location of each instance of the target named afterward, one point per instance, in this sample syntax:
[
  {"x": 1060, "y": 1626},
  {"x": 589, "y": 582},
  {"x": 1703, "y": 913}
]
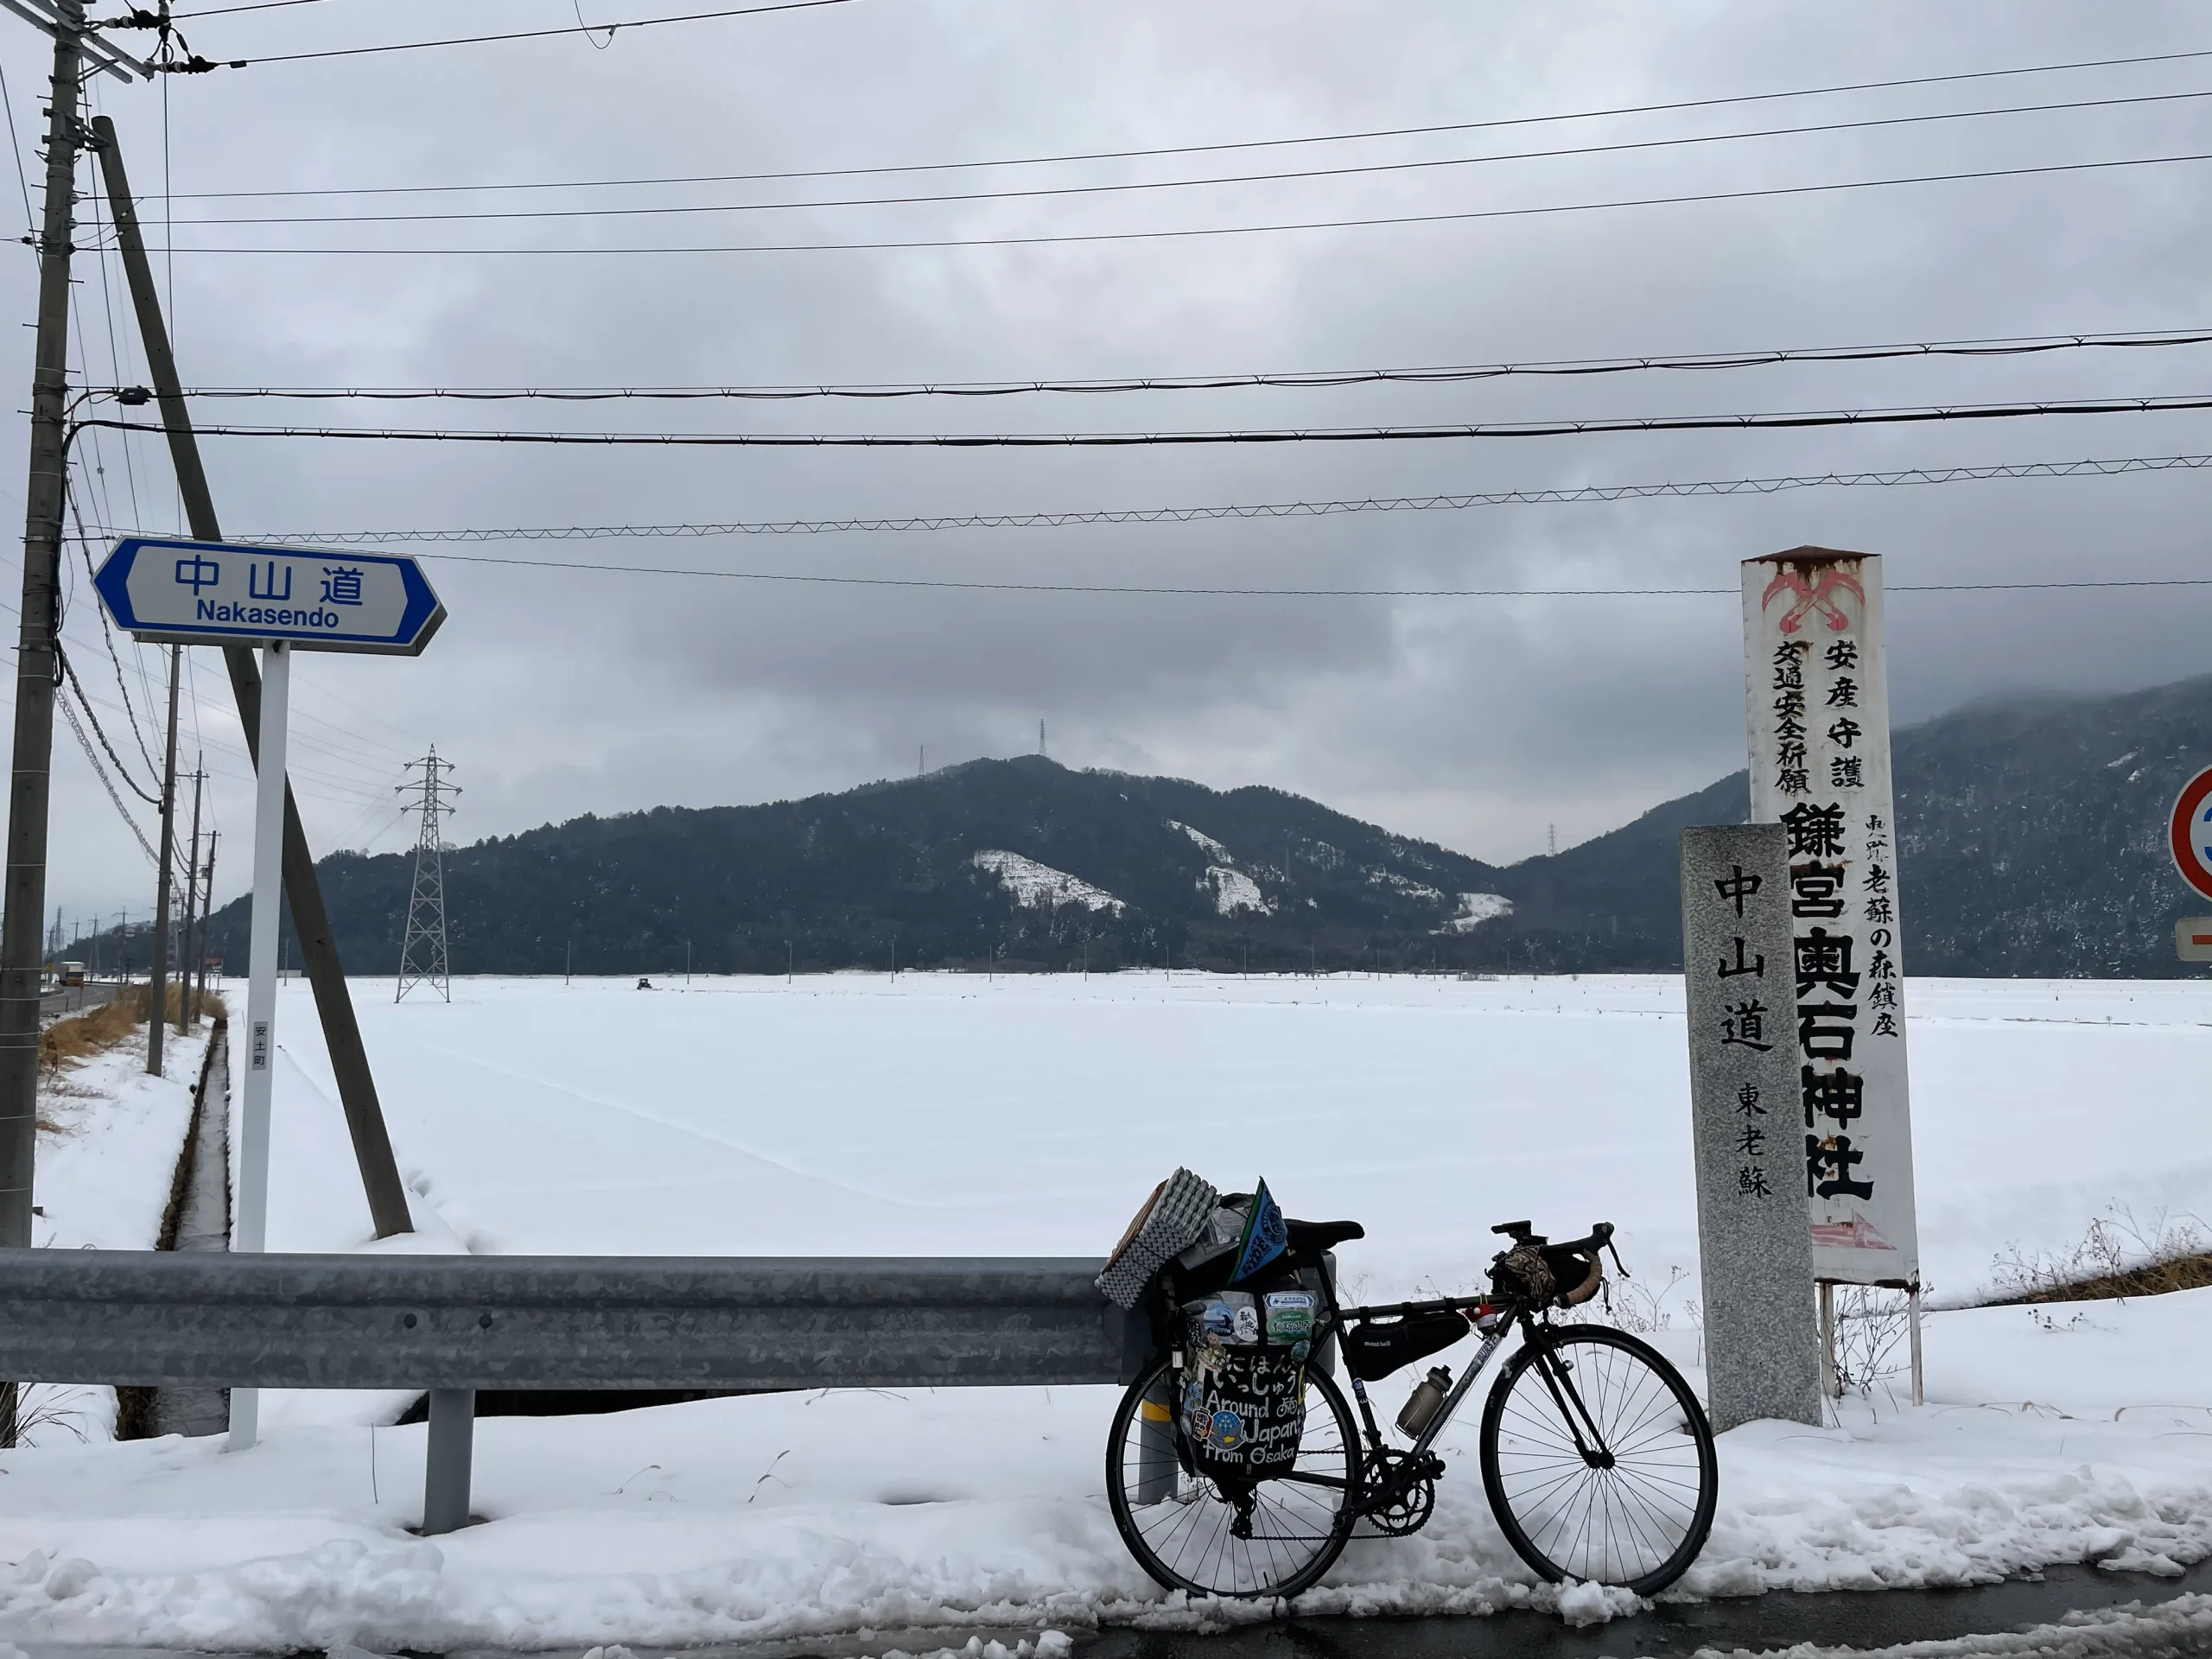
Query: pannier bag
[
  {"x": 1243, "y": 1405},
  {"x": 1374, "y": 1350}
]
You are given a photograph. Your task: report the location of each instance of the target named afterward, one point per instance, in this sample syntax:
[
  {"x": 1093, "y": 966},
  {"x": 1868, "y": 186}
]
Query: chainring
[{"x": 1401, "y": 1496}]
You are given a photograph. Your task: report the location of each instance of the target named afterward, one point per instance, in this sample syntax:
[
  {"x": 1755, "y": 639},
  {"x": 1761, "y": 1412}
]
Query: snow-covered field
[{"x": 943, "y": 1115}]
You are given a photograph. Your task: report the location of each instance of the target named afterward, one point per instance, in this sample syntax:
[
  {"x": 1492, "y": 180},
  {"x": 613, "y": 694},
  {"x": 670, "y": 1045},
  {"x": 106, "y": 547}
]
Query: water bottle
[{"x": 1422, "y": 1405}]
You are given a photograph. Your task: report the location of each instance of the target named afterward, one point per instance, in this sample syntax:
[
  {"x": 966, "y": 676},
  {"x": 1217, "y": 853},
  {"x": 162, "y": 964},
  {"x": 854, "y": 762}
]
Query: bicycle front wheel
[
  {"x": 1274, "y": 1539},
  {"x": 1599, "y": 1460}
]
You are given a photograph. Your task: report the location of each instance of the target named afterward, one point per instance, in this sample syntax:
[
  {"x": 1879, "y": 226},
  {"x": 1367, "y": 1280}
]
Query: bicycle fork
[{"x": 1559, "y": 1380}]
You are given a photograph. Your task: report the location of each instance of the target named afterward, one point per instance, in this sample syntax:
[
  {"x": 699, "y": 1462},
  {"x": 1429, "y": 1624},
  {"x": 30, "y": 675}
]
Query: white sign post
[
  {"x": 282, "y": 600},
  {"x": 250, "y": 1227},
  {"x": 1817, "y": 697}
]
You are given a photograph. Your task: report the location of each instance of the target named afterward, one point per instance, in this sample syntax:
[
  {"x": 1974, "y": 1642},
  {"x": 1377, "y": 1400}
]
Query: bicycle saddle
[{"x": 1311, "y": 1238}]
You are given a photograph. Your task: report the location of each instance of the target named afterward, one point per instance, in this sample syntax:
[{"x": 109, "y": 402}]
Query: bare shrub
[
  {"x": 1872, "y": 1331},
  {"x": 2121, "y": 1255},
  {"x": 1640, "y": 1307}
]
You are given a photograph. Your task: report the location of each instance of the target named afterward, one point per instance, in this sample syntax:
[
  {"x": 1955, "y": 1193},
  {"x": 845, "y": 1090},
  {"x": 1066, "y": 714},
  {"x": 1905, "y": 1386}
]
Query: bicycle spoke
[{"x": 1634, "y": 1511}]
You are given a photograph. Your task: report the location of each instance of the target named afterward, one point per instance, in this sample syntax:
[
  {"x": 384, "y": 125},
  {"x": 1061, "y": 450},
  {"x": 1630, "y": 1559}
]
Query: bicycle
[{"x": 1597, "y": 1457}]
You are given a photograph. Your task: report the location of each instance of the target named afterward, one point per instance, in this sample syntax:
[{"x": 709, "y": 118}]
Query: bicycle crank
[{"x": 1402, "y": 1499}]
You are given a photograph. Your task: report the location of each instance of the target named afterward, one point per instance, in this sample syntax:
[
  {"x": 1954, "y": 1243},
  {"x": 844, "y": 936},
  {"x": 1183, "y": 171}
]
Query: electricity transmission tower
[{"x": 423, "y": 948}]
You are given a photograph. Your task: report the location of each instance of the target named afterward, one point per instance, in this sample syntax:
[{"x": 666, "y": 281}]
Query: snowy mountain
[
  {"x": 2030, "y": 843},
  {"x": 1022, "y": 859}
]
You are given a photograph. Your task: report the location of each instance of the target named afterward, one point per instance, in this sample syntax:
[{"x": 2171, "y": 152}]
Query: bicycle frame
[
  {"x": 1508, "y": 1315},
  {"x": 1491, "y": 1340}
]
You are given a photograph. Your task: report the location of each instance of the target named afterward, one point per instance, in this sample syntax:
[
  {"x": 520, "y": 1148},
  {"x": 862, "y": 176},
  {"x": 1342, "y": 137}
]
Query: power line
[
  {"x": 1780, "y": 420},
  {"x": 225, "y": 11},
  {"x": 1580, "y": 494},
  {"x": 1430, "y": 164},
  {"x": 1281, "y": 593},
  {"x": 77, "y": 685},
  {"x": 1057, "y": 238},
  {"x": 1218, "y": 148},
  {"x": 2020, "y": 346},
  {"x": 520, "y": 35},
  {"x": 70, "y": 714}
]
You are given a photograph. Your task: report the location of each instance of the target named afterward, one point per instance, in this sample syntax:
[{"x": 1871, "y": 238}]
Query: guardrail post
[
  {"x": 445, "y": 1464},
  {"x": 1155, "y": 1471}
]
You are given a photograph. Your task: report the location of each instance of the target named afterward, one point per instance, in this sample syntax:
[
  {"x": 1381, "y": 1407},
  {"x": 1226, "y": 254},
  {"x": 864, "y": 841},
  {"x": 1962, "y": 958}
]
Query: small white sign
[
  {"x": 2193, "y": 938},
  {"x": 260, "y": 1054}
]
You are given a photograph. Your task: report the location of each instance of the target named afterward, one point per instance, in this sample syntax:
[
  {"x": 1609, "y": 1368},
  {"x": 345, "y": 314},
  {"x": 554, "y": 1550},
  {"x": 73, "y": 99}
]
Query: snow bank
[{"x": 800, "y": 1515}]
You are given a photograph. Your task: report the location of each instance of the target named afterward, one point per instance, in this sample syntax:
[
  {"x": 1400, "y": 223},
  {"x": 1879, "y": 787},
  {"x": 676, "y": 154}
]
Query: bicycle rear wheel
[
  {"x": 1188, "y": 1533},
  {"x": 1599, "y": 1460}
]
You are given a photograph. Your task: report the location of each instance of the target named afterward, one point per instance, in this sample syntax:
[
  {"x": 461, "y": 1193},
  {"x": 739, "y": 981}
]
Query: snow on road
[{"x": 948, "y": 1115}]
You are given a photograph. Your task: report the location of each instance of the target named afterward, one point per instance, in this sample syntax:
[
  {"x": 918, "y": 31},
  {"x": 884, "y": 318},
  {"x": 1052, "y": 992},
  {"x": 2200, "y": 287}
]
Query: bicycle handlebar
[{"x": 1601, "y": 1234}]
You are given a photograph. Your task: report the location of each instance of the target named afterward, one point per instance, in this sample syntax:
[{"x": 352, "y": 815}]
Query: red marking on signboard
[
  {"x": 2190, "y": 834},
  {"x": 1857, "y": 1234},
  {"x": 1815, "y": 597}
]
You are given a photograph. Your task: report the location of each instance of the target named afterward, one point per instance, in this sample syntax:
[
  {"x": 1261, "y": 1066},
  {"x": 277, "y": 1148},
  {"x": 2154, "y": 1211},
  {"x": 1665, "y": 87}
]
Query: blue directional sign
[{"x": 213, "y": 592}]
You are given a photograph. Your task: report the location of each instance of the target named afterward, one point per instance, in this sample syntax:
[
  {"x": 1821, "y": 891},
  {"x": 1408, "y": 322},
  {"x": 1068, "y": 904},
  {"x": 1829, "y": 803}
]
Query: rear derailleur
[{"x": 1399, "y": 1494}]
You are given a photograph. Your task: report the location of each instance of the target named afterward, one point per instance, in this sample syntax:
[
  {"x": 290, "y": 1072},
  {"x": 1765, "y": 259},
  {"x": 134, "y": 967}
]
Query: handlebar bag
[{"x": 1375, "y": 1348}]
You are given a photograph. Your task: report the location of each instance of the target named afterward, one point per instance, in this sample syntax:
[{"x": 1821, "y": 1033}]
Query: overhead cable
[
  {"x": 1281, "y": 593},
  {"x": 225, "y": 11},
  {"x": 1431, "y": 164},
  {"x": 2017, "y": 345},
  {"x": 1214, "y": 149},
  {"x": 69, "y": 713},
  {"x": 1057, "y": 238},
  {"x": 1779, "y": 420},
  {"x": 1572, "y": 495},
  {"x": 69, "y": 671},
  {"x": 532, "y": 34}
]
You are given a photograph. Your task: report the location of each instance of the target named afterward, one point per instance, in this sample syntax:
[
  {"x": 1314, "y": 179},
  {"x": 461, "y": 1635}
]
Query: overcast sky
[{"x": 1476, "y": 721}]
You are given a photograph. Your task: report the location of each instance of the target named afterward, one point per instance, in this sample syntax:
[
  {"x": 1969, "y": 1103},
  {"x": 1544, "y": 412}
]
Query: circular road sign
[{"x": 2191, "y": 832}]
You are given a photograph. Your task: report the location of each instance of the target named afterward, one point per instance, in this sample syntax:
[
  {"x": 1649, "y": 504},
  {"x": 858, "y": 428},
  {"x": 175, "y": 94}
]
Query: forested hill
[
  {"x": 2032, "y": 842},
  {"x": 1024, "y": 858}
]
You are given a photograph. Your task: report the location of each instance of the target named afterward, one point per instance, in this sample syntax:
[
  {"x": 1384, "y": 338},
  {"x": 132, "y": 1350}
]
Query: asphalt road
[
  {"x": 1874, "y": 1619},
  {"x": 1759, "y": 1624},
  {"x": 75, "y": 999}
]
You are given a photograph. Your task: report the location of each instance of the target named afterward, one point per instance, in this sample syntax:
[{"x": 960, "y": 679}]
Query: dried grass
[
  {"x": 2121, "y": 1255},
  {"x": 67, "y": 1043}
]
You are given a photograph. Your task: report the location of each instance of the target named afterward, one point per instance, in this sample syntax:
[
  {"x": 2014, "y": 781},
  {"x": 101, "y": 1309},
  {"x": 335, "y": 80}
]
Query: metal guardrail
[{"x": 452, "y": 1325}]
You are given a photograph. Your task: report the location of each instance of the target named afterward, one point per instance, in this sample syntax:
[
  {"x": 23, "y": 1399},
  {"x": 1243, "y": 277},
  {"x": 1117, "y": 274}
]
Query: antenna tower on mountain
[{"x": 423, "y": 948}]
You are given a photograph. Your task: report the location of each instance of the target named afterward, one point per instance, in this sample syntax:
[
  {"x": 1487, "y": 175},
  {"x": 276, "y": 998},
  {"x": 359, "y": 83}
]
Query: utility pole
[
  {"x": 184, "y": 1013},
  {"x": 37, "y": 656},
  {"x": 158, "y": 1000},
  {"x": 206, "y": 916},
  {"x": 422, "y": 949},
  {"x": 23, "y": 896},
  {"x": 341, "y": 1030},
  {"x": 1040, "y": 739}
]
